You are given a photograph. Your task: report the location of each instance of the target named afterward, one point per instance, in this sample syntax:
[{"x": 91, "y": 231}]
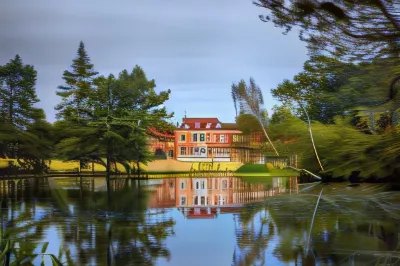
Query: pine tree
[
  {"x": 21, "y": 124},
  {"x": 17, "y": 93},
  {"x": 78, "y": 87}
]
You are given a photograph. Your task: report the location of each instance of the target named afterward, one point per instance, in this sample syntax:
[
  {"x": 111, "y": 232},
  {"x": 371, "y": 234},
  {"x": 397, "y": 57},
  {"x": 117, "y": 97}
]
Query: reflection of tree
[
  {"x": 346, "y": 224},
  {"x": 135, "y": 235},
  {"x": 90, "y": 227},
  {"x": 22, "y": 229},
  {"x": 254, "y": 230}
]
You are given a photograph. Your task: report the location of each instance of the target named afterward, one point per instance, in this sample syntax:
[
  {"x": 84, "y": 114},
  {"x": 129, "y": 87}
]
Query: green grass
[
  {"x": 262, "y": 170},
  {"x": 252, "y": 168}
]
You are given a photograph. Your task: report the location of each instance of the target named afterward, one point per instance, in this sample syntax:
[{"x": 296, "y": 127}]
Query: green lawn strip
[
  {"x": 252, "y": 168},
  {"x": 269, "y": 174}
]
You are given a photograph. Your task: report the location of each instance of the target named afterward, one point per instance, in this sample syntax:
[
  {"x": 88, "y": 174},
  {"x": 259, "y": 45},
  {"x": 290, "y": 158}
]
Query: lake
[{"x": 199, "y": 221}]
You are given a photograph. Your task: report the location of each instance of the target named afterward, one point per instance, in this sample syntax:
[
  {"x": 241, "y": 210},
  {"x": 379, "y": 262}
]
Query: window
[
  {"x": 197, "y": 185},
  {"x": 203, "y": 185},
  {"x": 224, "y": 184},
  {"x": 208, "y": 137},
  {"x": 203, "y": 201},
  {"x": 196, "y": 151},
  {"x": 196, "y": 201},
  {"x": 183, "y": 150},
  {"x": 191, "y": 151},
  {"x": 187, "y": 126},
  {"x": 182, "y": 185},
  {"x": 202, "y": 137},
  {"x": 208, "y": 125},
  {"x": 183, "y": 137},
  {"x": 218, "y": 125},
  {"x": 221, "y": 138},
  {"x": 194, "y": 137},
  {"x": 183, "y": 200},
  {"x": 197, "y": 125}
]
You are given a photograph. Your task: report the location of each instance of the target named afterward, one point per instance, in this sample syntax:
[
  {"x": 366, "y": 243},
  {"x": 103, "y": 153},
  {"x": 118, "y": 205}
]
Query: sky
[{"x": 195, "y": 48}]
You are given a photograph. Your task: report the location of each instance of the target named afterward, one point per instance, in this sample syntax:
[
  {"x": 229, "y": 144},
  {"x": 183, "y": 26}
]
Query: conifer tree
[
  {"x": 17, "y": 93},
  {"x": 78, "y": 87},
  {"x": 24, "y": 134}
]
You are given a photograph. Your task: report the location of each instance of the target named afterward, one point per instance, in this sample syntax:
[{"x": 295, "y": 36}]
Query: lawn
[{"x": 262, "y": 170}]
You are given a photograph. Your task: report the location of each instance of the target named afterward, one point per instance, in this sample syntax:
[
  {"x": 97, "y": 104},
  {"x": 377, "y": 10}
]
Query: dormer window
[
  {"x": 208, "y": 125},
  {"x": 218, "y": 125},
  {"x": 197, "y": 125},
  {"x": 187, "y": 126}
]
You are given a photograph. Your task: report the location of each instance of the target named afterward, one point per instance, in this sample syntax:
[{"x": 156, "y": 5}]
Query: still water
[{"x": 199, "y": 221}]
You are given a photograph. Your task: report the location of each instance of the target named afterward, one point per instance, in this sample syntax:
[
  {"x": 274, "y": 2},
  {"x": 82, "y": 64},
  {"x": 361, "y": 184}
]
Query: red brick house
[{"x": 205, "y": 140}]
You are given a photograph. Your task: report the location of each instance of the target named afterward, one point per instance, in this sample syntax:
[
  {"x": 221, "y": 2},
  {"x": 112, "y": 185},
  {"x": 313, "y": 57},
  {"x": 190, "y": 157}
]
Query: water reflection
[{"x": 223, "y": 221}]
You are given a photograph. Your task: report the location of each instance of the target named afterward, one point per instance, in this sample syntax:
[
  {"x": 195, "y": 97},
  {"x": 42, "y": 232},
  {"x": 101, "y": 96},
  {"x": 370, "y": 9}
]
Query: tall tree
[
  {"x": 19, "y": 118},
  {"x": 79, "y": 85},
  {"x": 123, "y": 108},
  {"x": 17, "y": 93},
  {"x": 251, "y": 102}
]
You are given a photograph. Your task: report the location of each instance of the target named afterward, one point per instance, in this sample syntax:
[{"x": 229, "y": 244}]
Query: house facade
[
  {"x": 204, "y": 140},
  {"x": 210, "y": 140}
]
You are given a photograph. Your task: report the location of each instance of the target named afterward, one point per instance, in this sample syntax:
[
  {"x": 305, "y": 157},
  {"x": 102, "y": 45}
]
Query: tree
[
  {"x": 17, "y": 93},
  {"x": 122, "y": 109},
  {"x": 251, "y": 102},
  {"x": 21, "y": 124},
  {"x": 344, "y": 28},
  {"x": 79, "y": 85}
]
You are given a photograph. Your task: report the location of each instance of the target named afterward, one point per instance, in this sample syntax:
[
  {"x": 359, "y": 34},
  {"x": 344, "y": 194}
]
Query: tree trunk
[
  {"x": 266, "y": 135},
  {"x": 311, "y": 136},
  {"x": 138, "y": 167},
  {"x": 108, "y": 169}
]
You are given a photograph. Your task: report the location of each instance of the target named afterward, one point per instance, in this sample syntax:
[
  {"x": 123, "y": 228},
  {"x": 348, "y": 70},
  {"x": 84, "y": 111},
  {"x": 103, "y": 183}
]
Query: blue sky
[{"x": 195, "y": 48}]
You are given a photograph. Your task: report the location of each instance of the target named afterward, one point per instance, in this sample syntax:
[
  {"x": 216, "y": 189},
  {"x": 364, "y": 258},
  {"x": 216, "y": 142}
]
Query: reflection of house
[
  {"x": 207, "y": 139},
  {"x": 206, "y": 197}
]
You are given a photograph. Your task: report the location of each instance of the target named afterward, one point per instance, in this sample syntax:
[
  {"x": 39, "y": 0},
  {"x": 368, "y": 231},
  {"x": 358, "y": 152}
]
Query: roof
[
  {"x": 206, "y": 123},
  {"x": 201, "y": 120}
]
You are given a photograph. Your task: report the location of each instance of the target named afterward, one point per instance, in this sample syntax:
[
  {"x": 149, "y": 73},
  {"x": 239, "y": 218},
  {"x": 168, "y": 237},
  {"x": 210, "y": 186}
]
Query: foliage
[
  {"x": 345, "y": 29},
  {"x": 115, "y": 113},
  {"x": 76, "y": 92},
  {"x": 24, "y": 133},
  {"x": 281, "y": 113},
  {"x": 342, "y": 148},
  {"x": 248, "y": 124}
]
